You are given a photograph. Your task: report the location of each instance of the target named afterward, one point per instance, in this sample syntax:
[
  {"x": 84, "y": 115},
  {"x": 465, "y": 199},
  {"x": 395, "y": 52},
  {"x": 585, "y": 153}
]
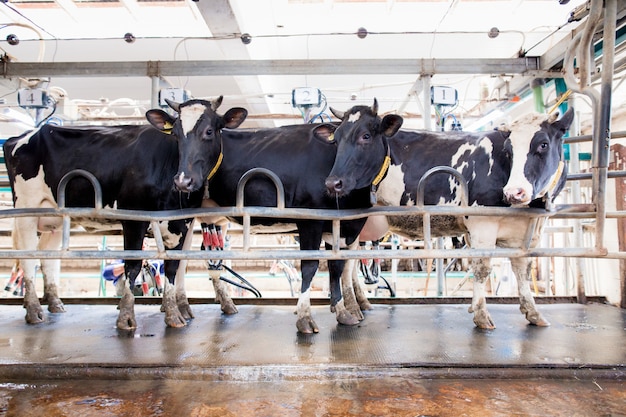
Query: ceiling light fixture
[
  {"x": 129, "y": 37},
  {"x": 12, "y": 39},
  {"x": 246, "y": 38},
  {"x": 493, "y": 32}
]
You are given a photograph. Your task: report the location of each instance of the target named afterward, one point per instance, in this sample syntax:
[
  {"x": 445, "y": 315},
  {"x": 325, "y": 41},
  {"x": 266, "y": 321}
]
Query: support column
[{"x": 602, "y": 126}]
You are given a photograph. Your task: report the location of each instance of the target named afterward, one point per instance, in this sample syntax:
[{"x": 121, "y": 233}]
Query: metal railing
[{"x": 335, "y": 216}]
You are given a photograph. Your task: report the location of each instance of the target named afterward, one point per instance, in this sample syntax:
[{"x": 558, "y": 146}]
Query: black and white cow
[
  {"x": 302, "y": 157},
  {"x": 523, "y": 168},
  {"x": 136, "y": 167}
]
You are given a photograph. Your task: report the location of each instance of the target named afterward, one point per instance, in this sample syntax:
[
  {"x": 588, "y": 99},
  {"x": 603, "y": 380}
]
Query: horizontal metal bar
[
  {"x": 588, "y": 138},
  {"x": 306, "y": 254},
  {"x": 564, "y": 211},
  {"x": 316, "y": 301},
  {"x": 275, "y": 67},
  {"x": 287, "y": 213},
  {"x": 589, "y": 175}
]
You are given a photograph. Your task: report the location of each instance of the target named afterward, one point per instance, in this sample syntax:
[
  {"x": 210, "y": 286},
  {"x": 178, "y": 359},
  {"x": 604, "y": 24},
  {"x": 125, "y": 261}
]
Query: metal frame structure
[{"x": 601, "y": 16}]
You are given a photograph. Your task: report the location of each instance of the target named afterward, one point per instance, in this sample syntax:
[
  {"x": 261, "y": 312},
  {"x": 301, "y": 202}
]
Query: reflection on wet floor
[{"x": 361, "y": 397}]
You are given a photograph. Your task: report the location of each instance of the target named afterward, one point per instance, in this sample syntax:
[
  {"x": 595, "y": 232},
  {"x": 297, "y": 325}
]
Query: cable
[{"x": 525, "y": 52}]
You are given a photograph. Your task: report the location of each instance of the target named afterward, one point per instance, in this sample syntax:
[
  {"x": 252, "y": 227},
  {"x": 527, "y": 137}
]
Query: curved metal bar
[
  {"x": 280, "y": 189},
  {"x": 421, "y": 185},
  {"x": 97, "y": 189}
]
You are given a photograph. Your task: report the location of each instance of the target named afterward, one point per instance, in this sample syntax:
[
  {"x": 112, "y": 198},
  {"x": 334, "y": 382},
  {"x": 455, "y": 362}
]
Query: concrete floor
[{"x": 401, "y": 360}]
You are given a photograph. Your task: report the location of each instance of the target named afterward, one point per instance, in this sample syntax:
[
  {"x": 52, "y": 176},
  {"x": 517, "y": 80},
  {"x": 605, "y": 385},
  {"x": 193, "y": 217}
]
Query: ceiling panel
[{"x": 69, "y": 31}]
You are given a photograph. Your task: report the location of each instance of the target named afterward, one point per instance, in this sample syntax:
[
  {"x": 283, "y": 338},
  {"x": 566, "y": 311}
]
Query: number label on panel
[
  {"x": 31, "y": 97},
  {"x": 173, "y": 94}
]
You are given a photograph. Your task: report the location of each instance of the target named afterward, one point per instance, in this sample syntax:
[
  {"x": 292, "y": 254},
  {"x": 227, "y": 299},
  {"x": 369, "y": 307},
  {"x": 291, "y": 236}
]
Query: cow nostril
[
  {"x": 183, "y": 183},
  {"x": 334, "y": 184},
  {"x": 516, "y": 194}
]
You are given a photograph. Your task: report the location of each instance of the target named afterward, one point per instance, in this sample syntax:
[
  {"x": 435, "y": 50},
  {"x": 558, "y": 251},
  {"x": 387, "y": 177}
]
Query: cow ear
[
  {"x": 391, "y": 124},
  {"x": 325, "y": 132},
  {"x": 161, "y": 120},
  {"x": 563, "y": 124},
  {"x": 234, "y": 117}
]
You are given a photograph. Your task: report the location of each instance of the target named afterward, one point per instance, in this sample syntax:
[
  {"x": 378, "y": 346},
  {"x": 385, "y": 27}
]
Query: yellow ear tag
[
  {"x": 331, "y": 138},
  {"x": 167, "y": 128}
]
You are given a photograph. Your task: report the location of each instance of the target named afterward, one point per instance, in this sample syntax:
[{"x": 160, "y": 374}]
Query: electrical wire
[
  {"x": 7, "y": 4},
  {"x": 525, "y": 52}
]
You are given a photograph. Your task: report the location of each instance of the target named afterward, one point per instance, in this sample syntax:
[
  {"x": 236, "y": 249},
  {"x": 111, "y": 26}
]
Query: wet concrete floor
[{"x": 401, "y": 360}]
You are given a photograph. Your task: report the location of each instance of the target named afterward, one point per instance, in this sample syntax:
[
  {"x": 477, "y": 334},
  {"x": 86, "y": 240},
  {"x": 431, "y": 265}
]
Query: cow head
[
  {"x": 362, "y": 149},
  {"x": 197, "y": 128},
  {"x": 535, "y": 149}
]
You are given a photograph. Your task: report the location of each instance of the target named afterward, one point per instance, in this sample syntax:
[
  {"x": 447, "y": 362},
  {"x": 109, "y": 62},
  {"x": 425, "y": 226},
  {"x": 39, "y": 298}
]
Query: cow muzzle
[
  {"x": 184, "y": 183},
  {"x": 516, "y": 196},
  {"x": 335, "y": 186}
]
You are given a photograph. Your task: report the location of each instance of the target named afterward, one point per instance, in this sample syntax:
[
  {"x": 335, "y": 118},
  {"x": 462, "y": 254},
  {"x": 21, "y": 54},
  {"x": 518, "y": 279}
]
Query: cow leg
[
  {"x": 181, "y": 268},
  {"x": 305, "y": 322},
  {"x": 51, "y": 269},
  {"x": 361, "y": 298},
  {"x": 482, "y": 234},
  {"x": 522, "y": 269},
  {"x": 126, "y": 318},
  {"x": 181, "y": 295},
  {"x": 222, "y": 295},
  {"x": 482, "y": 319},
  {"x": 134, "y": 233},
  {"x": 25, "y": 238},
  {"x": 310, "y": 238},
  {"x": 173, "y": 315},
  {"x": 347, "y": 289},
  {"x": 337, "y": 302}
]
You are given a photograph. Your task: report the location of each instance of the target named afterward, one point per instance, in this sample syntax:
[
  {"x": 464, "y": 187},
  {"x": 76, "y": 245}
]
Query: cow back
[{"x": 135, "y": 165}]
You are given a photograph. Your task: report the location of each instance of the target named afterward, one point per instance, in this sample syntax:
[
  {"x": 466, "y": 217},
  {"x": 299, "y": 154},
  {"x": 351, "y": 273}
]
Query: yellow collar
[
  {"x": 555, "y": 180},
  {"x": 383, "y": 169},
  {"x": 217, "y": 165}
]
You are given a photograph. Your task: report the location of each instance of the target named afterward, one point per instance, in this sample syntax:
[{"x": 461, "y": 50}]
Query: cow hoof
[
  {"x": 537, "y": 319},
  {"x": 34, "y": 315},
  {"x": 357, "y": 314},
  {"x": 483, "y": 320},
  {"x": 306, "y": 325},
  {"x": 365, "y": 305},
  {"x": 347, "y": 319},
  {"x": 176, "y": 324},
  {"x": 185, "y": 311},
  {"x": 175, "y": 320},
  {"x": 229, "y": 308},
  {"x": 56, "y": 307},
  {"x": 126, "y": 322}
]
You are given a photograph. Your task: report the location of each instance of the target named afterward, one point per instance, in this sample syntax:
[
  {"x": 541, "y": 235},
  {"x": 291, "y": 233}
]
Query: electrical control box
[
  {"x": 306, "y": 96},
  {"x": 443, "y": 96}
]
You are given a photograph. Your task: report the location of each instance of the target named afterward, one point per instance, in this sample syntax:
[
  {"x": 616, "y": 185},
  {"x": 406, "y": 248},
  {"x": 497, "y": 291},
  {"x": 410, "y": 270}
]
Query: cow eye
[
  {"x": 208, "y": 133},
  {"x": 366, "y": 137},
  {"x": 543, "y": 146}
]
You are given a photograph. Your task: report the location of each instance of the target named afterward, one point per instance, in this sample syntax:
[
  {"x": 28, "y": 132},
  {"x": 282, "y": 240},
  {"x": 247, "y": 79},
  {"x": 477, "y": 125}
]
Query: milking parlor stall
[{"x": 306, "y": 207}]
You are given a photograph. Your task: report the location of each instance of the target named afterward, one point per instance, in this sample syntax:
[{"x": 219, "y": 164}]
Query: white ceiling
[{"x": 66, "y": 31}]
